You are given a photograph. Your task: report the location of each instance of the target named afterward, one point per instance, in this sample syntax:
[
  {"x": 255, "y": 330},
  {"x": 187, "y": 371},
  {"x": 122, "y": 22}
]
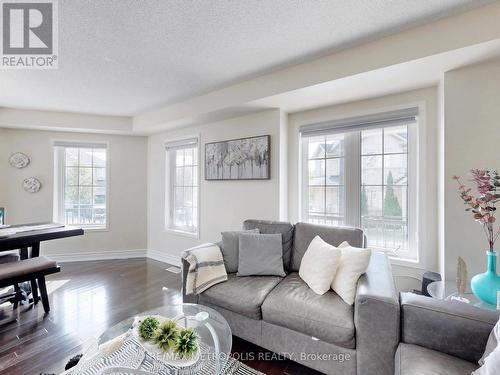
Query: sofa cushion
[
  {"x": 305, "y": 233},
  {"x": 274, "y": 227},
  {"x": 243, "y": 295},
  {"x": 417, "y": 360},
  {"x": 292, "y": 304}
]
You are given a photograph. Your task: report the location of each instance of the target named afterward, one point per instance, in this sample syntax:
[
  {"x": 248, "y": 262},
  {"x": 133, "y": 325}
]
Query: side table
[{"x": 447, "y": 291}]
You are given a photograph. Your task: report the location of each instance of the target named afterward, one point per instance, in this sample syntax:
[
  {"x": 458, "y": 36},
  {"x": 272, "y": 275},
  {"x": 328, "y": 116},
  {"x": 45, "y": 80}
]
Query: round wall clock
[
  {"x": 32, "y": 185},
  {"x": 19, "y": 160}
]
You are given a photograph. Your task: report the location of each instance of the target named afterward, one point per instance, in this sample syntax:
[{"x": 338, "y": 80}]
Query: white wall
[
  {"x": 407, "y": 275},
  {"x": 223, "y": 204},
  {"x": 471, "y": 140},
  {"x": 3, "y": 167},
  {"x": 127, "y": 186},
  {"x": 283, "y": 177}
]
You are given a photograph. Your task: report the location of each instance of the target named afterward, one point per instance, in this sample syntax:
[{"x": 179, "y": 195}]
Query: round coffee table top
[
  {"x": 211, "y": 328},
  {"x": 447, "y": 291}
]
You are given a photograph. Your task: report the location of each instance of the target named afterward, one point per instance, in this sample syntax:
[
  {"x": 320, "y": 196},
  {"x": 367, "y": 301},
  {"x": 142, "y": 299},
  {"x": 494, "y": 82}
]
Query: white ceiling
[{"x": 121, "y": 57}]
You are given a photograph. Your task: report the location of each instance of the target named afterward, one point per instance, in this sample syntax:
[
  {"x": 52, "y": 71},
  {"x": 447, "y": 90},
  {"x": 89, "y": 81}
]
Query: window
[
  {"x": 361, "y": 172},
  {"x": 182, "y": 186},
  {"x": 81, "y": 184},
  {"x": 326, "y": 179},
  {"x": 384, "y": 187}
]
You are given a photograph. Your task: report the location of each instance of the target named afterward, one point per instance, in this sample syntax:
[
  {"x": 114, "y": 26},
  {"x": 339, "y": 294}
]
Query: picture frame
[{"x": 247, "y": 158}]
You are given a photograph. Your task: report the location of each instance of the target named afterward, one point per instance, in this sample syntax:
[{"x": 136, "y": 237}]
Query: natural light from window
[
  {"x": 384, "y": 187},
  {"x": 361, "y": 177},
  {"x": 82, "y": 185},
  {"x": 326, "y": 180},
  {"x": 182, "y": 160}
]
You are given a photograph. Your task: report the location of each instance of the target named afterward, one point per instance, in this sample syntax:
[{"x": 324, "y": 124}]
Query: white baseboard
[
  {"x": 101, "y": 255},
  {"x": 163, "y": 257},
  {"x": 117, "y": 254}
]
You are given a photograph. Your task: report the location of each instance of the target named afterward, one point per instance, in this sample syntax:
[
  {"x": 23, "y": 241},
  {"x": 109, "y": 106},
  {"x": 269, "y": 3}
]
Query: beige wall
[
  {"x": 223, "y": 204},
  {"x": 127, "y": 187},
  {"x": 407, "y": 275},
  {"x": 471, "y": 140}
]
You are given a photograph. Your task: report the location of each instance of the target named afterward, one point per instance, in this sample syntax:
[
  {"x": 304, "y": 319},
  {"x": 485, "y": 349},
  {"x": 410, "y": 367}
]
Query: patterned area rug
[
  {"x": 132, "y": 359},
  {"x": 239, "y": 368}
]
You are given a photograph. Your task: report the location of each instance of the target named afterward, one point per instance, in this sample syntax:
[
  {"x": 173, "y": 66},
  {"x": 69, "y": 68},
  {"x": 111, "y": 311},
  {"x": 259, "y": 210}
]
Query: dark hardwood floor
[{"x": 88, "y": 297}]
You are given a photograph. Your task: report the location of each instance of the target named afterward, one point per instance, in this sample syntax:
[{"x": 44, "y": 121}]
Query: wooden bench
[
  {"x": 9, "y": 295},
  {"x": 27, "y": 270}
]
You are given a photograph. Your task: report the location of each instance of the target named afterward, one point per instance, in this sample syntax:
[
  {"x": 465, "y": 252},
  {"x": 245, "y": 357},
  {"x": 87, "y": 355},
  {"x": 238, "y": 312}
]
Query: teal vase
[{"x": 485, "y": 285}]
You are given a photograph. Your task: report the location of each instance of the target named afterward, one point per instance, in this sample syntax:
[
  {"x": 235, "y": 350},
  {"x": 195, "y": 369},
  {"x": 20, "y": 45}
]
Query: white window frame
[
  {"x": 352, "y": 180},
  {"x": 58, "y": 147},
  {"x": 170, "y": 170}
]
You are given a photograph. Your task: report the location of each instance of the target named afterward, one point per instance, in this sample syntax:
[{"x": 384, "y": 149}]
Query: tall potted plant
[{"x": 482, "y": 206}]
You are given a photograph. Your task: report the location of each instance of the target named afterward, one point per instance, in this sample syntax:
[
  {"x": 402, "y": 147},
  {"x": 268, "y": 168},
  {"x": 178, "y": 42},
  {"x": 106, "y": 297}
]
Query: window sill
[
  {"x": 411, "y": 263},
  {"x": 93, "y": 229},
  {"x": 182, "y": 233}
]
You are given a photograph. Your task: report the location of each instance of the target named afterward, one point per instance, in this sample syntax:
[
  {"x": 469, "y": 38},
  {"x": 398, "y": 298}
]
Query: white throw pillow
[
  {"x": 490, "y": 361},
  {"x": 492, "y": 343},
  {"x": 491, "y": 364},
  {"x": 319, "y": 265},
  {"x": 353, "y": 263}
]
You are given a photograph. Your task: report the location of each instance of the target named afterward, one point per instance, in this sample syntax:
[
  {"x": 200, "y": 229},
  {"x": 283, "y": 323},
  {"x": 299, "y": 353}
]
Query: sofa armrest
[
  {"x": 376, "y": 318},
  {"x": 449, "y": 327}
]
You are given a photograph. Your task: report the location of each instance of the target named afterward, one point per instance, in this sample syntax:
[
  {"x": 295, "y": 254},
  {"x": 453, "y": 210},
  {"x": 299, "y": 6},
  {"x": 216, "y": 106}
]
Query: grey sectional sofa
[
  {"x": 441, "y": 337},
  {"x": 322, "y": 332}
]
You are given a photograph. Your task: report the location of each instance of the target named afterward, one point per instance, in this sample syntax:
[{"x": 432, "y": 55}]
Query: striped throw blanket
[{"x": 206, "y": 267}]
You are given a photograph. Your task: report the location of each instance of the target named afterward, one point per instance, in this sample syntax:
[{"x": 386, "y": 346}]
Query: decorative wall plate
[
  {"x": 19, "y": 160},
  {"x": 32, "y": 185}
]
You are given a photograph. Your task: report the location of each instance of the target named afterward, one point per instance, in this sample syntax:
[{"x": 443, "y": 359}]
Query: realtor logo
[{"x": 29, "y": 34}]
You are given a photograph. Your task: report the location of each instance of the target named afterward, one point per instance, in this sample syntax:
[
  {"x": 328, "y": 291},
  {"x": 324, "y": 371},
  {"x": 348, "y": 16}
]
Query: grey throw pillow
[
  {"x": 230, "y": 248},
  {"x": 260, "y": 255},
  {"x": 274, "y": 227}
]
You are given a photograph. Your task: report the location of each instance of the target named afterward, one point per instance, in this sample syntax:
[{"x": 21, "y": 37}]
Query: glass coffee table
[
  {"x": 129, "y": 357},
  {"x": 447, "y": 291}
]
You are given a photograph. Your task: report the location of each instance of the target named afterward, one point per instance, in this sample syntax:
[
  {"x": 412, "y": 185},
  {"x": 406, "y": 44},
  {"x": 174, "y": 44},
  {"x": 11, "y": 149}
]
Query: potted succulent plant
[
  {"x": 483, "y": 208},
  {"x": 186, "y": 344},
  {"x": 165, "y": 335},
  {"x": 167, "y": 340},
  {"x": 147, "y": 327}
]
